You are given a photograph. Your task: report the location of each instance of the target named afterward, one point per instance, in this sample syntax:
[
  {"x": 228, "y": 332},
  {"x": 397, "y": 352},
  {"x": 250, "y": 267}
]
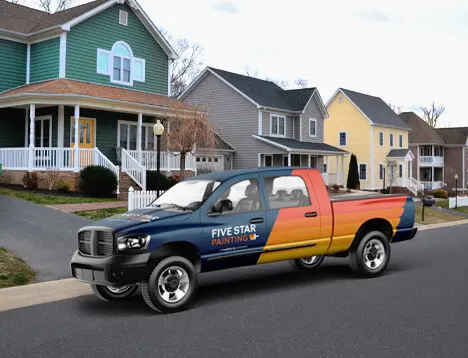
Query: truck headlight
[{"x": 135, "y": 242}]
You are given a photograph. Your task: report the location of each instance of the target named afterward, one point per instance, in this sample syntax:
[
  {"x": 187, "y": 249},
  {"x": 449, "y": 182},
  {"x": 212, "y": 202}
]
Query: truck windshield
[{"x": 186, "y": 195}]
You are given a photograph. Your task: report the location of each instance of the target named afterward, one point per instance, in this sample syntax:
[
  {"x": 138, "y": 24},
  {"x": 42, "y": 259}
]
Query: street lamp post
[
  {"x": 456, "y": 191},
  {"x": 158, "y": 130}
]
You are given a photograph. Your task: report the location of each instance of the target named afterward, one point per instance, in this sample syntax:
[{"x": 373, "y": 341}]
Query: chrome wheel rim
[
  {"x": 118, "y": 290},
  {"x": 310, "y": 260},
  {"x": 173, "y": 284},
  {"x": 374, "y": 254}
]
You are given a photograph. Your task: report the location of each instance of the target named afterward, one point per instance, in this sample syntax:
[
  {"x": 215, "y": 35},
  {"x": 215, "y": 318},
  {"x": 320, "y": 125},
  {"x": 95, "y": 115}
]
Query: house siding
[
  {"x": 345, "y": 117},
  {"x": 415, "y": 150},
  {"x": 297, "y": 127},
  {"x": 233, "y": 118},
  {"x": 45, "y": 58},
  {"x": 13, "y": 64},
  {"x": 102, "y": 31},
  {"x": 312, "y": 111},
  {"x": 12, "y": 122},
  {"x": 453, "y": 159}
]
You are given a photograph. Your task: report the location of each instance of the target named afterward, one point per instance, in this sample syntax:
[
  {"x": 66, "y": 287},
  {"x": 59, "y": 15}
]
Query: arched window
[{"x": 120, "y": 64}]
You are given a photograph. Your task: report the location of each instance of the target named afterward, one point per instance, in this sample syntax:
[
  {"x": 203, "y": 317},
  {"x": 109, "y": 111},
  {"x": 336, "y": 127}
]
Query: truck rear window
[{"x": 286, "y": 192}]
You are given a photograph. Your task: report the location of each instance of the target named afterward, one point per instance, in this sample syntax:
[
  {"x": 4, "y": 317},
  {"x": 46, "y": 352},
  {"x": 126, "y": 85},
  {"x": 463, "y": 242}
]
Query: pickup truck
[{"x": 236, "y": 218}]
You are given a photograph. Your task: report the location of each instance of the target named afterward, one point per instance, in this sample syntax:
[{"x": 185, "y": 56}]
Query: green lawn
[
  {"x": 434, "y": 216},
  {"x": 445, "y": 204},
  {"x": 13, "y": 270},
  {"x": 101, "y": 214},
  {"x": 50, "y": 199}
]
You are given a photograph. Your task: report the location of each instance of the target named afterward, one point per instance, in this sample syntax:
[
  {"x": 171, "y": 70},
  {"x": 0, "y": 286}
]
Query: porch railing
[
  {"x": 134, "y": 170},
  {"x": 432, "y": 185},
  {"x": 170, "y": 161},
  {"x": 430, "y": 160}
]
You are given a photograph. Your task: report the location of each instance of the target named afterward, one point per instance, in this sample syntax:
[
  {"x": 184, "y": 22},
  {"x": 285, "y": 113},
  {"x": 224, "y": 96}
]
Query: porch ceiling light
[
  {"x": 456, "y": 176},
  {"x": 158, "y": 128}
]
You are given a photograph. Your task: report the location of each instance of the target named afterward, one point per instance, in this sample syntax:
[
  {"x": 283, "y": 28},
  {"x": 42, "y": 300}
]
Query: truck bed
[{"x": 345, "y": 197}]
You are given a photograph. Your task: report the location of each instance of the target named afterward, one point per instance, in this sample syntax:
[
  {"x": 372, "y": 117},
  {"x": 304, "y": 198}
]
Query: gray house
[{"x": 266, "y": 125}]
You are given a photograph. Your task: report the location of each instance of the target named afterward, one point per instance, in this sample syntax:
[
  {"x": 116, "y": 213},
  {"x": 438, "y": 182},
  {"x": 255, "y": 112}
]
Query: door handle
[
  {"x": 256, "y": 220},
  {"x": 312, "y": 214}
]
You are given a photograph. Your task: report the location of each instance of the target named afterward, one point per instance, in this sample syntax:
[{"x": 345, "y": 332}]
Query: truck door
[
  {"x": 235, "y": 236},
  {"x": 293, "y": 217}
]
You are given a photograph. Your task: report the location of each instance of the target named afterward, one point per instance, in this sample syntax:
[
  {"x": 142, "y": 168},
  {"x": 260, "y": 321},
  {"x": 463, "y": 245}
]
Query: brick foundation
[
  {"x": 125, "y": 183},
  {"x": 15, "y": 177}
]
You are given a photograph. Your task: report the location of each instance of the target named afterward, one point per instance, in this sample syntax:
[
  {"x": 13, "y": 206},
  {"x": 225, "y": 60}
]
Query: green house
[{"x": 103, "y": 63}]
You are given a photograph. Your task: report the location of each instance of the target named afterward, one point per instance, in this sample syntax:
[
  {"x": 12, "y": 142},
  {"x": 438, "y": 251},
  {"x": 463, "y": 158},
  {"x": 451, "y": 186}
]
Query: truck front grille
[{"x": 96, "y": 242}]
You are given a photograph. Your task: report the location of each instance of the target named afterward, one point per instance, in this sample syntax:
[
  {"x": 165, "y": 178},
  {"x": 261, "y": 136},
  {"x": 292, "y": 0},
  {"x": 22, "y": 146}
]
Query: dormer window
[{"x": 120, "y": 64}]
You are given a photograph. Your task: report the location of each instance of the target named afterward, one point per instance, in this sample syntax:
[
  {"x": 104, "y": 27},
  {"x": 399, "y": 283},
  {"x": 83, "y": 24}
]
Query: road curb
[
  {"x": 442, "y": 225},
  {"x": 44, "y": 292}
]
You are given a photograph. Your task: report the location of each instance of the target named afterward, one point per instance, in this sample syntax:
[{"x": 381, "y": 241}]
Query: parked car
[{"x": 207, "y": 223}]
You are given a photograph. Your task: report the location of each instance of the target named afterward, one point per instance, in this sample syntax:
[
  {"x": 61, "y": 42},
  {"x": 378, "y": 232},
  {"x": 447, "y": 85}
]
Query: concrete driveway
[{"x": 45, "y": 238}]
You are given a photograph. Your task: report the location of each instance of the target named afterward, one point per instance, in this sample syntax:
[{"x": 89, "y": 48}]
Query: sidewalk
[{"x": 73, "y": 208}]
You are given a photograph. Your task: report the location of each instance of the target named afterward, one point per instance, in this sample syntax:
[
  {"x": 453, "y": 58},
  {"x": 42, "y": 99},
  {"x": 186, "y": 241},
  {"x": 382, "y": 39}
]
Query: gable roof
[
  {"x": 456, "y": 135},
  {"x": 399, "y": 153},
  {"x": 373, "y": 108},
  {"x": 263, "y": 93},
  {"x": 25, "y": 22},
  {"x": 422, "y": 133}
]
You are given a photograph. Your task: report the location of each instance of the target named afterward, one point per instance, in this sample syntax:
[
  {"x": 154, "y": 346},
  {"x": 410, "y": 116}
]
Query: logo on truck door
[{"x": 233, "y": 235}]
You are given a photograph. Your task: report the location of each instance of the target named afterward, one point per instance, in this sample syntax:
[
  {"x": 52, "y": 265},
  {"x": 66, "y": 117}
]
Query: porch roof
[
  {"x": 72, "y": 92},
  {"x": 400, "y": 154},
  {"x": 293, "y": 145}
]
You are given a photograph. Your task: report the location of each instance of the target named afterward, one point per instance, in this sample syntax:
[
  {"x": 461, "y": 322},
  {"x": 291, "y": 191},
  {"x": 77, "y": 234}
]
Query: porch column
[
  {"x": 432, "y": 177},
  {"x": 342, "y": 170},
  {"x": 140, "y": 124},
  {"x": 289, "y": 159},
  {"x": 32, "y": 123},
  {"x": 338, "y": 178},
  {"x": 308, "y": 161},
  {"x": 77, "y": 138}
]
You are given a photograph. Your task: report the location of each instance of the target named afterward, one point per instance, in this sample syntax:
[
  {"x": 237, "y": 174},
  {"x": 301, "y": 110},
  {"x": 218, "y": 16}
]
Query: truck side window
[
  {"x": 244, "y": 195},
  {"x": 286, "y": 192}
]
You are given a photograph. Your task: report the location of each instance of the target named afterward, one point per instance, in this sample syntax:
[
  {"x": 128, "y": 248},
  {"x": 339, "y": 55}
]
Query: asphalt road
[
  {"x": 419, "y": 308},
  {"x": 45, "y": 238}
]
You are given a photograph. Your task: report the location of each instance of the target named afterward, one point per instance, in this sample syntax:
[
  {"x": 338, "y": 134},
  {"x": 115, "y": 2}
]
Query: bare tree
[
  {"x": 250, "y": 71},
  {"x": 13, "y": 1},
  {"x": 187, "y": 134},
  {"x": 432, "y": 113},
  {"x": 395, "y": 108},
  {"x": 301, "y": 82},
  {"x": 52, "y": 6},
  {"x": 281, "y": 83}
]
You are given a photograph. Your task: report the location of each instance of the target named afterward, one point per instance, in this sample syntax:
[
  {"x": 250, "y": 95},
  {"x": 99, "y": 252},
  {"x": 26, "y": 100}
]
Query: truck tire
[
  {"x": 171, "y": 286},
  {"x": 307, "y": 263},
  {"x": 109, "y": 293},
  {"x": 371, "y": 256}
]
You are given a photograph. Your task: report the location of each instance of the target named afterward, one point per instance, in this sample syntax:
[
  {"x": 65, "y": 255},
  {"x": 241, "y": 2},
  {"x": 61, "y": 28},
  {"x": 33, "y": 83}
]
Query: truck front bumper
[{"x": 115, "y": 270}]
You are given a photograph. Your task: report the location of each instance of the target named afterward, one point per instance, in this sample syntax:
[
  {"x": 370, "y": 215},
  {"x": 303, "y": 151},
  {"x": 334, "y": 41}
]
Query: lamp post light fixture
[
  {"x": 456, "y": 191},
  {"x": 158, "y": 130}
]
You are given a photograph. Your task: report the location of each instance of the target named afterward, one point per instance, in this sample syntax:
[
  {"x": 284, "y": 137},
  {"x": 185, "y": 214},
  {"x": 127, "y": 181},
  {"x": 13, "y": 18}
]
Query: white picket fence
[
  {"x": 139, "y": 199},
  {"x": 461, "y": 201}
]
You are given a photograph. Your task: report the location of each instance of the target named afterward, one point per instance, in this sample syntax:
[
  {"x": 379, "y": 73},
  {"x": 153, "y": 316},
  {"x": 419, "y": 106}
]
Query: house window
[
  {"x": 325, "y": 168},
  {"x": 313, "y": 162},
  {"x": 312, "y": 127},
  {"x": 296, "y": 160},
  {"x": 343, "y": 139},
  {"x": 278, "y": 125},
  {"x": 120, "y": 64},
  {"x": 363, "y": 172},
  {"x": 381, "y": 139},
  {"x": 268, "y": 161},
  {"x": 400, "y": 170},
  {"x": 381, "y": 171},
  {"x": 400, "y": 140},
  {"x": 123, "y": 18},
  {"x": 127, "y": 136},
  {"x": 391, "y": 139}
]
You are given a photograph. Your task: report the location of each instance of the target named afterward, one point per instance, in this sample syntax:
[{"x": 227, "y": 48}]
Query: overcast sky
[{"x": 409, "y": 52}]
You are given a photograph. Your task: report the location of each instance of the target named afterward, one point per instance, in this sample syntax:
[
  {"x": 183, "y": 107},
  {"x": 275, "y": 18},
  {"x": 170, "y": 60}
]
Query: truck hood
[{"x": 134, "y": 218}]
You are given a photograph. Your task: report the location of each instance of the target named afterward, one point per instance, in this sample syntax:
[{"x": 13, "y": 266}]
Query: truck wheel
[
  {"x": 111, "y": 293},
  {"x": 171, "y": 285},
  {"x": 307, "y": 263},
  {"x": 371, "y": 257}
]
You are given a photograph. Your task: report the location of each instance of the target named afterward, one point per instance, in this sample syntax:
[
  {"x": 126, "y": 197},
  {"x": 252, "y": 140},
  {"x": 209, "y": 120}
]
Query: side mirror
[{"x": 221, "y": 207}]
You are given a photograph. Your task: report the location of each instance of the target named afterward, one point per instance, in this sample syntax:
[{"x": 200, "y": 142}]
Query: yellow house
[{"x": 367, "y": 127}]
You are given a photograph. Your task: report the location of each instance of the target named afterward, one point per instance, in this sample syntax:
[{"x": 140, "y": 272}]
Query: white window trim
[
  {"x": 392, "y": 140},
  {"x": 359, "y": 170},
  {"x": 339, "y": 135},
  {"x": 264, "y": 159},
  {"x": 382, "y": 136},
  {"x": 41, "y": 119},
  {"x": 400, "y": 140},
  {"x": 104, "y": 52},
  {"x": 143, "y": 62},
  {"x": 315, "y": 126},
  {"x": 279, "y": 116},
  {"x": 71, "y": 129},
  {"x": 130, "y": 123},
  {"x": 125, "y": 14}
]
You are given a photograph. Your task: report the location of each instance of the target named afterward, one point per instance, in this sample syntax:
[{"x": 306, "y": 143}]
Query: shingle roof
[
  {"x": 78, "y": 88},
  {"x": 295, "y": 144},
  {"x": 397, "y": 153},
  {"x": 375, "y": 108},
  {"x": 267, "y": 93},
  {"x": 456, "y": 135},
  {"x": 422, "y": 133},
  {"x": 23, "y": 19}
]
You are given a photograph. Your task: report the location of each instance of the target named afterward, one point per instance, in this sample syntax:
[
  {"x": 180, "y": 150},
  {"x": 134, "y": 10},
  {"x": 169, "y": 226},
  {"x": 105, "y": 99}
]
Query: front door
[{"x": 86, "y": 139}]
